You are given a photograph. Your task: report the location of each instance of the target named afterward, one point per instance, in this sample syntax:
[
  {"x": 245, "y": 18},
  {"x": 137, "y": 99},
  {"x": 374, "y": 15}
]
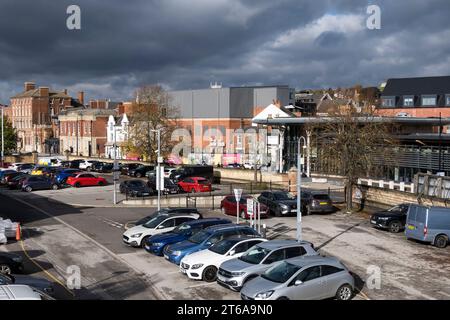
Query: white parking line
[{"x": 201, "y": 285}]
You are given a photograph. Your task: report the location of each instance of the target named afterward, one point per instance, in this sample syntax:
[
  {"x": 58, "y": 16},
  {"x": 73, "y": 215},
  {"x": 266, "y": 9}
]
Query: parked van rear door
[{"x": 416, "y": 222}]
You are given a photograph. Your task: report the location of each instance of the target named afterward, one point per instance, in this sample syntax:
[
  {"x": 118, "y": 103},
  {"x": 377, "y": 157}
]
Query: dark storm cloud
[{"x": 188, "y": 43}]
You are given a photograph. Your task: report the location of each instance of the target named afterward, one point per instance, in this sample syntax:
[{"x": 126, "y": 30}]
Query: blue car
[
  {"x": 62, "y": 176},
  {"x": 157, "y": 243},
  {"x": 205, "y": 239}
]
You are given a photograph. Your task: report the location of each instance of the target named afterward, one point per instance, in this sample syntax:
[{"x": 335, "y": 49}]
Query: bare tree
[
  {"x": 151, "y": 110},
  {"x": 352, "y": 143}
]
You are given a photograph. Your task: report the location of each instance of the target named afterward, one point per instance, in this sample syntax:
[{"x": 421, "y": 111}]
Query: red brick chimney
[
  {"x": 43, "y": 91},
  {"x": 81, "y": 97},
  {"x": 30, "y": 86}
]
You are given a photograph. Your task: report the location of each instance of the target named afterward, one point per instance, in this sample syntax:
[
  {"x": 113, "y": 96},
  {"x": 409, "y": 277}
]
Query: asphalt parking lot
[{"x": 81, "y": 227}]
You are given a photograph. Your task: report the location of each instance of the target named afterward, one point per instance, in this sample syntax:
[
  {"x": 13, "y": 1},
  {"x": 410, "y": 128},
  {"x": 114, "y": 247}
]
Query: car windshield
[
  {"x": 223, "y": 246},
  {"x": 320, "y": 196},
  {"x": 199, "y": 237},
  {"x": 136, "y": 183},
  {"x": 254, "y": 255},
  {"x": 154, "y": 222},
  {"x": 396, "y": 209},
  {"x": 283, "y": 196},
  {"x": 203, "y": 182},
  {"x": 281, "y": 272},
  {"x": 182, "y": 229}
]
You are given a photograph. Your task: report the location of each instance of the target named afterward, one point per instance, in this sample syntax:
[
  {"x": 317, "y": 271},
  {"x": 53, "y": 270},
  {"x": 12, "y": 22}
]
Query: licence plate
[
  {"x": 323, "y": 203},
  {"x": 145, "y": 194},
  {"x": 411, "y": 227}
]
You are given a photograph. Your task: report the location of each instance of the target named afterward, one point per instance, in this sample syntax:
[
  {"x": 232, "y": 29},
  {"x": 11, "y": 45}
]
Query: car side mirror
[
  {"x": 232, "y": 252},
  {"x": 160, "y": 227},
  {"x": 298, "y": 282}
]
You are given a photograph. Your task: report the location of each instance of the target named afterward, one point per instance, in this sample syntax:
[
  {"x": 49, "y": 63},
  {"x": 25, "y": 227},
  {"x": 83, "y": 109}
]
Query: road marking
[
  {"x": 159, "y": 293},
  {"x": 201, "y": 285}
]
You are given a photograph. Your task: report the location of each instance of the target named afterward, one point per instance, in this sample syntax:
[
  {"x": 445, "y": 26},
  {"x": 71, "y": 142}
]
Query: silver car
[
  {"x": 256, "y": 260},
  {"x": 302, "y": 278}
]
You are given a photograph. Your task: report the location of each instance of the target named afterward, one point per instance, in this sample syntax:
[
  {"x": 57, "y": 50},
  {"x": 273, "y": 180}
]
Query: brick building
[
  {"x": 83, "y": 132},
  {"x": 34, "y": 115}
]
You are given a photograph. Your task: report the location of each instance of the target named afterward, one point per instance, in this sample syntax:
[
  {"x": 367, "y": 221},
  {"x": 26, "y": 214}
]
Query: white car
[
  {"x": 22, "y": 292},
  {"x": 203, "y": 265},
  {"x": 15, "y": 166},
  {"x": 86, "y": 164},
  {"x": 165, "y": 222},
  {"x": 168, "y": 171}
]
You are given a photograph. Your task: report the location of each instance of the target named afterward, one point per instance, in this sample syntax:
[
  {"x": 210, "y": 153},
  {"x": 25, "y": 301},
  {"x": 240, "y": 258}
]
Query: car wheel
[
  {"x": 345, "y": 292},
  {"x": 283, "y": 298},
  {"x": 210, "y": 274},
  {"x": 5, "y": 269},
  {"x": 144, "y": 241},
  {"x": 77, "y": 185},
  {"x": 193, "y": 190},
  {"x": 243, "y": 215},
  {"x": 101, "y": 183},
  {"x": 28, "y": 189},
  {"x": 55, "y": 187},
  {"x": 441, "y": 241},
  {"x": 395, "y": 226},
  {"x": 138, "y": 175}
]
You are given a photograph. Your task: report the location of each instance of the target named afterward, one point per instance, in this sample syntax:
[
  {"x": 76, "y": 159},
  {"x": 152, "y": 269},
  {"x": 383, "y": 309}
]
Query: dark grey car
[{"x": 302, "y": 278}]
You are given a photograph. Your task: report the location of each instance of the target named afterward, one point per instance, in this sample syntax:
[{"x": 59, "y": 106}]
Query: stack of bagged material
[{"x": 7, "y": 230}]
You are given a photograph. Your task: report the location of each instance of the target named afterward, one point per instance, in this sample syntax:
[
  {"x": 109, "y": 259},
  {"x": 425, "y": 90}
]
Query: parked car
[
  {"x": 168, "y": 171},
  {"x": 169, "y": 186},
  {"x": 195, "y": 184},
  {"x": 87, "y": 164},
  {"x": 393, "y": 219},
  {"x": 302, "y": 278},
  {"x": 234, "y": 165},
  {"x": 235, "y": 273},
  {"x": 10, "y": 263},
  {"x": 228, "y": 206},
  {"x": 5, "y": 172},
  {"x": 135, "y": 188},
  {"x": 163, "y": 222},
  {"x": 140, "y": 171},
  {"x": 204, "y": 171},
  {"x": 8, "y": 176},
  {"x": 75, "y": 164},
  {"x": 145, "y": 219},
  {"x": 62, "y": 175},
  {"x": 16, "y": 182},
  {"x": 65, "y": 164},
  {"x": 127, "y": 167},
  {"x": 205, "y": 239},
  {"x": 22, "y": 292},
  {"x": 15, "y": 166},
  {"x": 40, "y": 171},
  {"x": 157, "y": 243},
  {"x": 103, "y": 167},
  {"x": 26, "y": 168},
  {"x": 37, "y": 283},
  {"x": 86, "y": 180},
  {"x": 428, "y": 224},
  {"x": 33, "y": 183},
  {"x": 203, "y": 265}
]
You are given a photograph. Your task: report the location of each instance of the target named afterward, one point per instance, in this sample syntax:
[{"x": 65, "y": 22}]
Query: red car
[
  {"x": 228, "y": 207},
  {"x": 84, "y": 180},
  {"x": 195, "y": 184}
]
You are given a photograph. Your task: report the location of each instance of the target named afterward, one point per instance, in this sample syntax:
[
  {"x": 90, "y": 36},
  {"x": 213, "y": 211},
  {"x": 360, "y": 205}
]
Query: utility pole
[
  {"x": 115, "y": 165},
  {"x": 3, "y": 138},
  {"x": 159, "y": 176},
  {"x": 299, "y": 190}
]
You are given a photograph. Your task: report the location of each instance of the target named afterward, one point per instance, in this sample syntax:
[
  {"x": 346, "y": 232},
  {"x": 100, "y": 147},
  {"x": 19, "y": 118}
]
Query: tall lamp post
[
  {"x": 158, "y": 172},
  {"x": 299, "y": 181},
  {"x": 3, "y": 138}
]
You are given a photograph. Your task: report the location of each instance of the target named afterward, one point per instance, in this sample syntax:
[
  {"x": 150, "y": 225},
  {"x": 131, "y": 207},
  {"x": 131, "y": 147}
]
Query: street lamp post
[
  {"x": 3, "y": 138},
  {"x": 158, "y": 172},
  {"x": 299, "y": 181},
  {"x": 115, "y": 164}
]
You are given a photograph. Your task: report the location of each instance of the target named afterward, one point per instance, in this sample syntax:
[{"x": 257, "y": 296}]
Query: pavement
[{"x": 81, "y": 227}]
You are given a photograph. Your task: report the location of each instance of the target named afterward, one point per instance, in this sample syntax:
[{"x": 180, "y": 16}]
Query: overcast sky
[{"x": 184, "y": 44}]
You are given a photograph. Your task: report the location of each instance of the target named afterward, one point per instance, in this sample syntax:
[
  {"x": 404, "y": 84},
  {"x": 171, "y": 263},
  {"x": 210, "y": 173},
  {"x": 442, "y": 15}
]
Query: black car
[
  {"x": 140, "y": 171},
  {"x": 393, "y": 219},
  {"x": 75, "y": 164},
  {"x": 33, "y": 183},
  {"x": 168, "y": 211},
  {"x": 106, "y": 167},
  {"x": 279, "y": 202},
  {"x": 203, "y": 171},
  {"x": 126, "y": 167},
  {"x": 10, "y": 263},
  {"x": 170, "y": 187},
  {"x": 135, "y": 188}
]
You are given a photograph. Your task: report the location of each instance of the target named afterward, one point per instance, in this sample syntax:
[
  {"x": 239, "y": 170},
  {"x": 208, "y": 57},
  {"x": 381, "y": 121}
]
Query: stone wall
[{"x": 25, "y": 158}]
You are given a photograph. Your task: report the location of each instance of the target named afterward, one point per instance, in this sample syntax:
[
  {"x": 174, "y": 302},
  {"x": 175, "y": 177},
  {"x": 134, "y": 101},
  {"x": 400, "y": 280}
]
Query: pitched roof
[
  {"x": 35, "y": 93},
  {"x": 417, "y": 86}
]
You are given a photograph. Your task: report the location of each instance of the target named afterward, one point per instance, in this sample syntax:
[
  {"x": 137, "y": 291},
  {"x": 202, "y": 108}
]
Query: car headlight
[
  {"x": 176, "y": 253},
  {"x": 136, "y": 235},
  {"x": 383, "y": 218},
  {"x": 264, "y": 295},
  {"x": 198, "y": 265},
  {"x": 283, "y": 206},
  {"x": 237, "y": 274},
  {"x": 17, "y": 259},
  {"x": 157, "y": 244}
]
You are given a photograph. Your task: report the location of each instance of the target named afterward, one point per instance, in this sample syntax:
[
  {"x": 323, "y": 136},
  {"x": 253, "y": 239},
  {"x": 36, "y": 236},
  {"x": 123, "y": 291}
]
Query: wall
[{"x": 26, "y": 158}]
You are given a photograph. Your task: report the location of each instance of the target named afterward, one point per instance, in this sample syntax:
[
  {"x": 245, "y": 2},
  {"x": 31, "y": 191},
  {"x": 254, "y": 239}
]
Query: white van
[{"x": 21, "y": 292}]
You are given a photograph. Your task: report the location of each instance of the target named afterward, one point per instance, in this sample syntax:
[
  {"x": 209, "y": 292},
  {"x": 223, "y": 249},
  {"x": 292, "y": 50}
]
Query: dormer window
[
  {"x": 408, "y": 101},
  {"x": 429, "y": 100},
  {"x": 388, "y": 102}
]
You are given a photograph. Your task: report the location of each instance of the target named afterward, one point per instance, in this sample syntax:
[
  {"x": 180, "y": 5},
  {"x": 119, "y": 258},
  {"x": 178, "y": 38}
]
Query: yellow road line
[{"x": 45, "y": 271}]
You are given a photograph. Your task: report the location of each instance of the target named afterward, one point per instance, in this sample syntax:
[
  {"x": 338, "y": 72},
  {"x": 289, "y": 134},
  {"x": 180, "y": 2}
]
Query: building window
[
  {"x": 429, "y": 100},
  {"x": 408, "y": 101},
  {"x": 447, "y": 99},
  {"x": 388, "y": 102}
]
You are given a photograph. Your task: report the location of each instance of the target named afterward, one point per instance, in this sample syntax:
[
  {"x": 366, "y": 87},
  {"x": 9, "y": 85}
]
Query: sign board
[
  {"x": 273, "y": 140},
  {"x": 238, "y": 194},
  {"x": 116, "y": 175},
  {"x": 160, "y": 159},
  {"x": 250, "y": 207},
  {"x": 160, "y": 179}
]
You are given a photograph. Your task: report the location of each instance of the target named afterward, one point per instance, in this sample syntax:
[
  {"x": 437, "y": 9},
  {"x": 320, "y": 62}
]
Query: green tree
[{"x": 10, "y": 137}]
